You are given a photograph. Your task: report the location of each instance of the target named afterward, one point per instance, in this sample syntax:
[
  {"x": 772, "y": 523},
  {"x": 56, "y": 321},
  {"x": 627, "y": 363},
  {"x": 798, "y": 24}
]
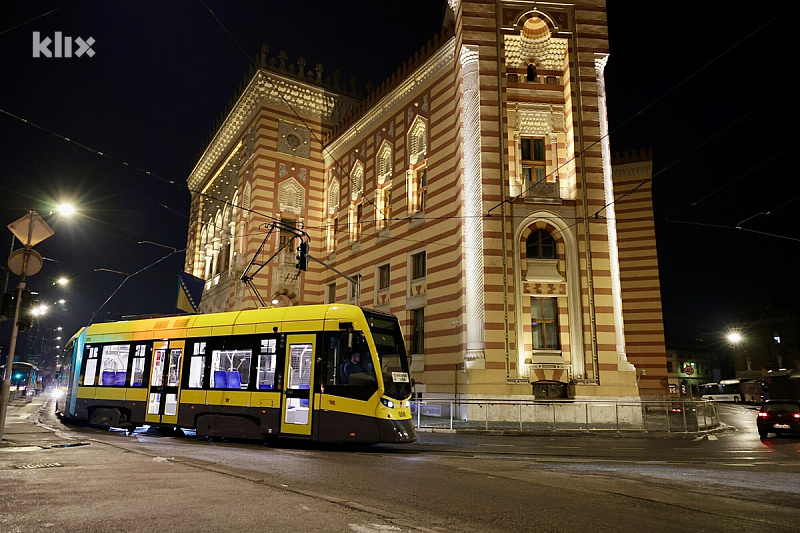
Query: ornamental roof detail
[
  {"x": 266, "y": 88},
  {"x": 535, "y": 43}
]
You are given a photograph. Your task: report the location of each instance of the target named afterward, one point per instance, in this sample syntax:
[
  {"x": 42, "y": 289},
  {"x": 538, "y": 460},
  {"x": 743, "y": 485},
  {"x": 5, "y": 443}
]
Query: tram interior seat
[
  {"x": 304, "y": 401},
  {"x": 137, "y": 378},
  {"x": 109, "y": 377},
  {"x": 119, "y": 378},
  {"x": 233, "y": 379},
  {"x": 220, "y": 382}
]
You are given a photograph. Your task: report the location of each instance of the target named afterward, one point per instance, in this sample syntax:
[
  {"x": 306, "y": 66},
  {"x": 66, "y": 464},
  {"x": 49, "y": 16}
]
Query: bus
[
  {"x": 733, "y": 390},
  {"x": 23, "y": 380},
  {"x": 255, "y": 374}
]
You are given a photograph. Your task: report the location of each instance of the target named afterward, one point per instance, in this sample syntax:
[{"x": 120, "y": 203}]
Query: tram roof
[{"x": 308, "y": 317}]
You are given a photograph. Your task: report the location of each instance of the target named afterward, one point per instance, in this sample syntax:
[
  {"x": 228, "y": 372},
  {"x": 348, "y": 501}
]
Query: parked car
[
  {"x": 680, "y": 421},
  {"x": 779, "y": 416}
]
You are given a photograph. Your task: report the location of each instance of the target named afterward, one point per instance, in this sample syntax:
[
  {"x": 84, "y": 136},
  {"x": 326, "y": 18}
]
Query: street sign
[
  {"x": 30, "y": 229},
  {"x": 17, "y": 259}
]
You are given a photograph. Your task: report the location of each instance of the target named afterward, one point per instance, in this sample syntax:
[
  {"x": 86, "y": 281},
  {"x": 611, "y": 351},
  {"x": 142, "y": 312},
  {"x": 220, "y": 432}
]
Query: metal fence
[{"x": 552, "y": 416}]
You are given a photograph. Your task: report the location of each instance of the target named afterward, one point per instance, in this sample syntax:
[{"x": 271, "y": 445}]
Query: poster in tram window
[{"x": 158, "y": 368}]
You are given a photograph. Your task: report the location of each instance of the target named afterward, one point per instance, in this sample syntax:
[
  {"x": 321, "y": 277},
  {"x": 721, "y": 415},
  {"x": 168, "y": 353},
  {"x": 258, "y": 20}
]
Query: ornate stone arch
[
  {"x": 202, "y": 255},
  {"x": 235, "y": 207},
  {"x": 567, "y": 244},
  {"x": 357, "y": 181},
  {"x": 291, "y": 196},
  {"x": 286, "y": 296},
  {"x": 216, "y": 241},
  {"x": 417, "y": 140}
]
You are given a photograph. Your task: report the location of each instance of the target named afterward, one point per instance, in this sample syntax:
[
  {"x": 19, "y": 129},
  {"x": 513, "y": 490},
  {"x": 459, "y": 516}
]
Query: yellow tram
[{"x": 335, "y": 373}]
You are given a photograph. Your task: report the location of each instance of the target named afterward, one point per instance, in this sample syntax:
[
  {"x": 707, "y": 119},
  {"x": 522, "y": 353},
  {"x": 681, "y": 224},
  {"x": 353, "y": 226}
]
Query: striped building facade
[{"x": 469, "y": 195}]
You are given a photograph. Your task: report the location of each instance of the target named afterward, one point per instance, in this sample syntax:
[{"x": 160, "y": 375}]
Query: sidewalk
[
  {"x": 24, "y": 431},
  {"x": 52, "y": 481}
]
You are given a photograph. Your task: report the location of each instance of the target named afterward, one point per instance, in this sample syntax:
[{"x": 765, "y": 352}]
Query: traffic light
[
  {"x": 9, "y": 301},
  {"x": 302, "y": 256},
  {"x": 27, "y": 304}
]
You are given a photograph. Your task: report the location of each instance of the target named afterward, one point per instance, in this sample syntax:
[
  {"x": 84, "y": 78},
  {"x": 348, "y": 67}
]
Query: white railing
[{"x": 538, "y": 416}]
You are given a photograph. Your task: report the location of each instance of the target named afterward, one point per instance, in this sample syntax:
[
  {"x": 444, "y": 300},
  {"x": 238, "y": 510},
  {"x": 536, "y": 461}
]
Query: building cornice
[
  {"x": 270, "y": 88},
  {"x": 393, "y": 100}
]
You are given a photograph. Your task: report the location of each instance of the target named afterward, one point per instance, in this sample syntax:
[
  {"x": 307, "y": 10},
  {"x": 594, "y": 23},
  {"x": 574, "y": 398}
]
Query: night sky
[{"x": 714, "y": 112}]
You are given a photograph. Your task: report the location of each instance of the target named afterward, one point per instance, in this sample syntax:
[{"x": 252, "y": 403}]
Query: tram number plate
[
  {"x": 781, "y": 426},
  {"x": 401, "y": 413}
]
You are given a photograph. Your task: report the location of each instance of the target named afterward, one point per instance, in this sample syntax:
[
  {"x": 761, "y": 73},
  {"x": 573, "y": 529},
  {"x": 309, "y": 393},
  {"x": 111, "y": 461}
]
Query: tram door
[
  {"x": 164, "y": 386},
  {"x": 298, "y": 390}
]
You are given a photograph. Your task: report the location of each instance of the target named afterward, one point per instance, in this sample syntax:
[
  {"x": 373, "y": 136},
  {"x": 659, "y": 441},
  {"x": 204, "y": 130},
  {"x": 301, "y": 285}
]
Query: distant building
[
  {"x": 690, "y": 363},
  {"x": 471, "y": 194},
  {"x": 770, "y": 341}
]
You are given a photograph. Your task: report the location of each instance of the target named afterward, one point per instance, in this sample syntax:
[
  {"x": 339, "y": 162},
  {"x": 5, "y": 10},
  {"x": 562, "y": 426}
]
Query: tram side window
[
  {"x": 114, "y": 364},
  {"x": 197, "y": 365},
  {"x": 265, "y": 379},
  {"x": 230, "y": 369},
  {"x": 90, "y": 365},
  {"x": 137, "y": 366}
]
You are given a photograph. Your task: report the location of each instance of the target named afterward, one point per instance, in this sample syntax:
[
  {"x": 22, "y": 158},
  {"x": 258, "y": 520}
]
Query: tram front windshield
[{"x": 392, "y": 354}]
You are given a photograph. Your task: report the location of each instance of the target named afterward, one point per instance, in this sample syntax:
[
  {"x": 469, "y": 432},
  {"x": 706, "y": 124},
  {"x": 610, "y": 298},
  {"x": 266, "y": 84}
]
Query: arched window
[
  {"x": 417, "y": 141},
  {"x": 333, "y": 213},
  {"x": 333, "y": 198},
  {"x": 291, "y": 196},
  {"x": 357, "y": 182},
  {"x": 384, "y": 163},
  {"x": 531, "y": 76},
  {"x": 540, "y": 245}
]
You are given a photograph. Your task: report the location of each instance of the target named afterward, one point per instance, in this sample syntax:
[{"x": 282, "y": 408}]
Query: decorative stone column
[
  {"x": 611, "y": 223},
  {"x": 473, "y": 204}
]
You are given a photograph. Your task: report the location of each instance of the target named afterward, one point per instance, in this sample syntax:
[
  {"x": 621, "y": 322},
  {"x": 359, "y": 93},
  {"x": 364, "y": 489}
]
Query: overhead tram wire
[
  {"x": 691, "y": 152},
  {"x": 129, "y": 276},
  {"x": 134, "y": 167},
  {"x": 268, "y": 217},
  {"x": 31, "y": 20}
]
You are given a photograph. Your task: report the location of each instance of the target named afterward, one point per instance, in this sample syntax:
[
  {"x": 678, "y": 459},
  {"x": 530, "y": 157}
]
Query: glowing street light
[
  {"x": 735, "y": 337},
  {"x": 66, "y": 209}
]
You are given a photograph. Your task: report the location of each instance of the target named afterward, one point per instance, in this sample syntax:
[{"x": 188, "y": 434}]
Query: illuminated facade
[{"x": 462, "y": 194}]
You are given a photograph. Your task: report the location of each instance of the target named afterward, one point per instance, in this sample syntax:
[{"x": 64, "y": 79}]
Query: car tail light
[
  {"x": 796, "y": 416},
  {"x": 762, "y": 414}
]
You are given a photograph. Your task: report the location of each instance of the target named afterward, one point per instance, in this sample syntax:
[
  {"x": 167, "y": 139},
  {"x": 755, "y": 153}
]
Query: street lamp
[
  {"x": 734, "y": 337},
  {"x": 66, "y": 209}
]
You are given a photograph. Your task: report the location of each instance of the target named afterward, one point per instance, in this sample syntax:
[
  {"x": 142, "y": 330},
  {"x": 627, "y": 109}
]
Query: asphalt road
[{"x": 727, "y": 480}]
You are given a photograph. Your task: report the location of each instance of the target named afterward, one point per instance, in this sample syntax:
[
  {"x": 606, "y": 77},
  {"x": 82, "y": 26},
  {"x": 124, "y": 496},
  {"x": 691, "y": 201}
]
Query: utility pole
[{"x": 30, "y": 229}]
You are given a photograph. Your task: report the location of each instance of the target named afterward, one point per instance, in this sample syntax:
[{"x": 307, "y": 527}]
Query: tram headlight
[
  {"x": 387, "y": 402},
  {"x": 56, "y": 394},
  {"x": 408, "y": 404}
]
